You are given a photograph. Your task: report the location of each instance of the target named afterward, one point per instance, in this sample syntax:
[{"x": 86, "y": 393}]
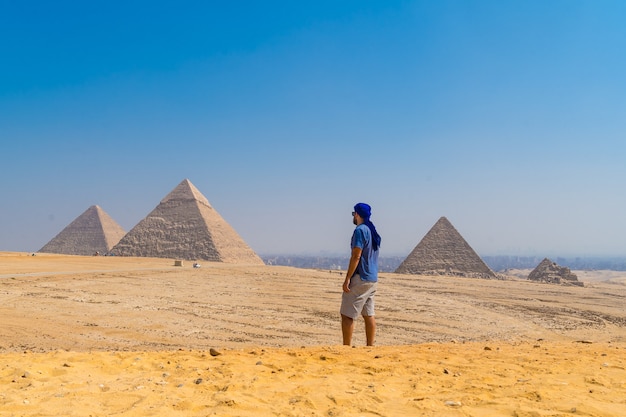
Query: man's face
[{"x": 354, "y": 217}]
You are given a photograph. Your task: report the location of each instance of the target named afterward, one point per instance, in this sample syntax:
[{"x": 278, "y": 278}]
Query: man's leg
[
  {"x": 347, "y": 328},
  {"x": 370, "y": 329}
]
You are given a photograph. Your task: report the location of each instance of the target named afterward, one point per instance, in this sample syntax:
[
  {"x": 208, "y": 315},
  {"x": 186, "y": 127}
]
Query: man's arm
[{"x": 355, "y": 256}]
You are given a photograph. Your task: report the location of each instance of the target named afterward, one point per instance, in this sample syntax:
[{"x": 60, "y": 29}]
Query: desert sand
[{"x": 102, "y": 336}]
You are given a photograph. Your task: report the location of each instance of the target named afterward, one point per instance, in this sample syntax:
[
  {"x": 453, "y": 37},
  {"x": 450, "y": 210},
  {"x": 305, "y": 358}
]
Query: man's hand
[{"x": 346, "y": 285}]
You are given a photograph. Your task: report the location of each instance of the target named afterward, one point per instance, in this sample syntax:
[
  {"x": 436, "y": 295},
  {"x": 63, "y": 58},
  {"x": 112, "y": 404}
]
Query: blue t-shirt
[{"x": 368, "y": 264}]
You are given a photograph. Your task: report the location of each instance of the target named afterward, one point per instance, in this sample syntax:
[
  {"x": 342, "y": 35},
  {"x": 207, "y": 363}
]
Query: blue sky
[{"x": 507, "y": 117}]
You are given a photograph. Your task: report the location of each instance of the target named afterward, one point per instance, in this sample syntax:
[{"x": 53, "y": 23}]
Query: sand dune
[{"x": 133, "y": 336}]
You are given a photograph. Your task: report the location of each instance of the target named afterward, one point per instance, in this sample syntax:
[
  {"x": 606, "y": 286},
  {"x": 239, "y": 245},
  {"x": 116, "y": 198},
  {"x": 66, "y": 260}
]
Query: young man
[{"x": 359, "y": 286}]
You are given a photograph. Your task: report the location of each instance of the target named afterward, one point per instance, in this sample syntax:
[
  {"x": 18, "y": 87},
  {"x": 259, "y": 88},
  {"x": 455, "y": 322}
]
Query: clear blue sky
[{"x": 507, "y": 117}]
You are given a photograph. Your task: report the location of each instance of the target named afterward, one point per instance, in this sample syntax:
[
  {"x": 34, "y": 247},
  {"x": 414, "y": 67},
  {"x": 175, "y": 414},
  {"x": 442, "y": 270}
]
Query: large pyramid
[
  {"x": 185, "y": 226},
  {"x": 92, "y": 232},
  {"x": 443, "y": 251}
]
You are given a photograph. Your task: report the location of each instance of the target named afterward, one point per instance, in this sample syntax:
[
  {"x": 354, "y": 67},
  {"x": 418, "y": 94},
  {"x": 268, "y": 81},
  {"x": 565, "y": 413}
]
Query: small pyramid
[
  {"x": 93, "y": 232},
  {"x": 550, "y": 272},
  {"x": 443, "y": 251},
  {"x": 185, "y": 226}
]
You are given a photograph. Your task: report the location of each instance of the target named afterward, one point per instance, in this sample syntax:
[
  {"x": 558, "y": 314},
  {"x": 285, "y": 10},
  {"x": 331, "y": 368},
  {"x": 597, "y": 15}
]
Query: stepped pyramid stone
[
  {"x": 443, "y": 251},
  {"x": 550, "y": 272},
  {"x": 185, "y": 226},
  {"x": 92, "y": 232}
]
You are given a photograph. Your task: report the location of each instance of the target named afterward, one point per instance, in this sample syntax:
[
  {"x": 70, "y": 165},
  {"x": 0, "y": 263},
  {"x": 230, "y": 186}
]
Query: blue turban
[{"x": 365, "y": 211}]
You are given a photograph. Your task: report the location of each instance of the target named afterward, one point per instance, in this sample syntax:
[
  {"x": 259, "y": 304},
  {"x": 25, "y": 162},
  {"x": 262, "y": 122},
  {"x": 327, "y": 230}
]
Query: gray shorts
[{"x": 360, "y": 299}]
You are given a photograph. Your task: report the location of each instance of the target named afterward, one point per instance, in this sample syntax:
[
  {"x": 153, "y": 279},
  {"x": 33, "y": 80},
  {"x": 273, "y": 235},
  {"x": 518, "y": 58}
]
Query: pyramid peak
[
  {"x": 96, "y": 210},
  {"x": 546, "y": 261},
  {"x": 186, "y": 191}
]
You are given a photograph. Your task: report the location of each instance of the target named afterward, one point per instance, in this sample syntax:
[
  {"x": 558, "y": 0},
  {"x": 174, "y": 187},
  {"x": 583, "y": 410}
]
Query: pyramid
[
  {"x": 92, "y": 232},
  {"x": 550, "y": 272},
  {"x": 185, "y": 226},
  {"x": 443, "y": 251}
]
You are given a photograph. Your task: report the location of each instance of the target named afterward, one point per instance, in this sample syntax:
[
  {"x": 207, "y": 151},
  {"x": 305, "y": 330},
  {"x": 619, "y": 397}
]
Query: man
[{"x": 359, "y": 286}]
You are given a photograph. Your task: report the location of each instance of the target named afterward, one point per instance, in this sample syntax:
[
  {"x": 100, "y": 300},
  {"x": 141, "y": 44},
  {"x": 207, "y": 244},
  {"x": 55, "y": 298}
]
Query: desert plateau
[{"x": 129, "y": 336}]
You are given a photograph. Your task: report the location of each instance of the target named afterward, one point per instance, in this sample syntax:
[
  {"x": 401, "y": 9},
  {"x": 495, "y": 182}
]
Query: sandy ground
[{"x": 104, "y": 336}]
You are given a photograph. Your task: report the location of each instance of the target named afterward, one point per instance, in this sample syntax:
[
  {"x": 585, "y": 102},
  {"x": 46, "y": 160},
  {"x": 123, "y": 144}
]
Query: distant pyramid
[
  {"x": 92, "y": 232},
  {"x": 550, "y": 272},
  {"x": 185, "y": 226},
  {"x": 443, "y": 251}
]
